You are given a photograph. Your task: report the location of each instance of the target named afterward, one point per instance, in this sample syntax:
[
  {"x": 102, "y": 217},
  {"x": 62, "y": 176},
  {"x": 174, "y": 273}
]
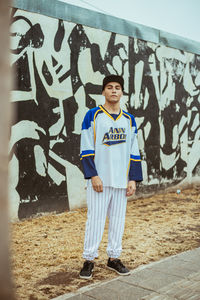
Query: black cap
[{"x": 113, "y": 78}]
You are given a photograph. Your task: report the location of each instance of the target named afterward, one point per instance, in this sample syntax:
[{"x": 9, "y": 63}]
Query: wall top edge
[{"x": 76, "y": 14}]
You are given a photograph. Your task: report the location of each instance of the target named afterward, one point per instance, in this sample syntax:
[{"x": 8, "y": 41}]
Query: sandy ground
[{"x": 47, "y": 250}]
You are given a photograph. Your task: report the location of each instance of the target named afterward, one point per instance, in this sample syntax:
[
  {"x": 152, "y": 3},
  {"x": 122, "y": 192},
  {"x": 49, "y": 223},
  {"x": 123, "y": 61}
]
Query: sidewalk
[{"x": 175, "y": 277}]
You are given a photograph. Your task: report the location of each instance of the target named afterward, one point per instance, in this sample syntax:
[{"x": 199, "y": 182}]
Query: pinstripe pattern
[{"x": 111, "y": 202}]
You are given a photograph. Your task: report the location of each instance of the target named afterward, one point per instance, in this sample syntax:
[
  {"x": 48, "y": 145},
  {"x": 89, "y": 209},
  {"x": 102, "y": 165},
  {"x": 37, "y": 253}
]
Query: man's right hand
[{"x": 97, "y": 184}]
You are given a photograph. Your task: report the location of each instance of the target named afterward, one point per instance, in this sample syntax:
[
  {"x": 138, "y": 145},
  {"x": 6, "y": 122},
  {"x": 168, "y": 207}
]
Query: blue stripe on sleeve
[
  {"x": 89, "y": 117},
  {"x": 135, "y": 171},
  {"x": 135, "y": 157},
  {"x": 87, "y": 153},
  {"x": 132, "y": 120}
]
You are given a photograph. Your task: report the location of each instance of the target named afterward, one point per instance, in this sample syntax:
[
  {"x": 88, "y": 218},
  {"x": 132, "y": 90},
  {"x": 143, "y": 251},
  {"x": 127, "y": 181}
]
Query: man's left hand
[{"x": 131, "y": 188}]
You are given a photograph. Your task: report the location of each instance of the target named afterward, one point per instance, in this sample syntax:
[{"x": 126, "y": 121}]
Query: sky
[{"x": 181, "y": 17}]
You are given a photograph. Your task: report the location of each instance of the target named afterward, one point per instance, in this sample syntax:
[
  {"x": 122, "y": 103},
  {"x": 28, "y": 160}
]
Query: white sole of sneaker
[
  {"x": 122, "y": 274},
  {"x": 86, "y": 277}
]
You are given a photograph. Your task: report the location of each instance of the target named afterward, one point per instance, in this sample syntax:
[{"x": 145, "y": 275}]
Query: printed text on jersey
[{"x": 114, "y": 136}]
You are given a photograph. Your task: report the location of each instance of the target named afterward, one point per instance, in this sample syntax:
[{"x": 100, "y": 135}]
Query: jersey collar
[{"x": 109, "y": 115}]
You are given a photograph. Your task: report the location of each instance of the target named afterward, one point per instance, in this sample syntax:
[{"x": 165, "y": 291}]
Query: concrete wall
[{"x": 59, "y": 67}]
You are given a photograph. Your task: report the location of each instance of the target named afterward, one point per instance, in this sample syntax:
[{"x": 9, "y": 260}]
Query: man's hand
[
  {"x": 97, "y": 184},
  {"x": 131, "y": 188}
]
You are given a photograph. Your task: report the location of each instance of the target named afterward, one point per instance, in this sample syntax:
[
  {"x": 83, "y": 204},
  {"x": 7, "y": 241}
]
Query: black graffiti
[
  {"x": 151, "y": 152},
  {"x": 59, "y": 36},
  {"x": 34, "y": 36},
  {"x": 22, "y": 73},
  {"x": 53, "y": 118},
  {"x": 47, "y": 75},
  {"x": 37, "y": 192}
]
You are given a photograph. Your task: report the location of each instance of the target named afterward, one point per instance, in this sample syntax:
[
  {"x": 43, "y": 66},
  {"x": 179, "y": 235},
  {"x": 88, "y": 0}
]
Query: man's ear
[{"x": 103, "y": 93}]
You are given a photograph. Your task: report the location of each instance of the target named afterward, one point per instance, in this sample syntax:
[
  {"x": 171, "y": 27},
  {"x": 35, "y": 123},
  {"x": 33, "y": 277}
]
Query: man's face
[{"x": 112, "y": 92}]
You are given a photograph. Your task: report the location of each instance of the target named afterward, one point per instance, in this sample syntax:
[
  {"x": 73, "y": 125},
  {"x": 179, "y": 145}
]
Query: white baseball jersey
[{"x": 109, "y": 147}]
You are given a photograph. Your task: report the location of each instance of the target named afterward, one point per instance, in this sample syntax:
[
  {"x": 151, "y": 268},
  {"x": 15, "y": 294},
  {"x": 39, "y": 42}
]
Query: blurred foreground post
[{"x": 6, "y": 291}]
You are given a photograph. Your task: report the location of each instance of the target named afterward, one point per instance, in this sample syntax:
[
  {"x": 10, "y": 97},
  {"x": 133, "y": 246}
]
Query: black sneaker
[
  {"x": 117, "y": 266},
  {"x": 86, "y": 271}
]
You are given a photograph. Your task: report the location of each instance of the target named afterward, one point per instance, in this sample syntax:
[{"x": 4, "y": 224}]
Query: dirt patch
[{"x": 47, "y": 251}]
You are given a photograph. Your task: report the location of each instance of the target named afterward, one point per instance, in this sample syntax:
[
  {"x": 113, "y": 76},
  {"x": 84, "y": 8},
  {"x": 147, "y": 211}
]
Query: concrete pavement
[{"x": 175, "y": 277}]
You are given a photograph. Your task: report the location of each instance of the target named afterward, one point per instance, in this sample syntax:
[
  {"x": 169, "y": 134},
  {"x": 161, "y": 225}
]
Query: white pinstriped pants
[{"x": 111, "y": 202}]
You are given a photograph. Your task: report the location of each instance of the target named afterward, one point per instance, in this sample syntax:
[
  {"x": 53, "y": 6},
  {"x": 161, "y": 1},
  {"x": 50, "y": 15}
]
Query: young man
[{"x": 112, "y": 165}]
